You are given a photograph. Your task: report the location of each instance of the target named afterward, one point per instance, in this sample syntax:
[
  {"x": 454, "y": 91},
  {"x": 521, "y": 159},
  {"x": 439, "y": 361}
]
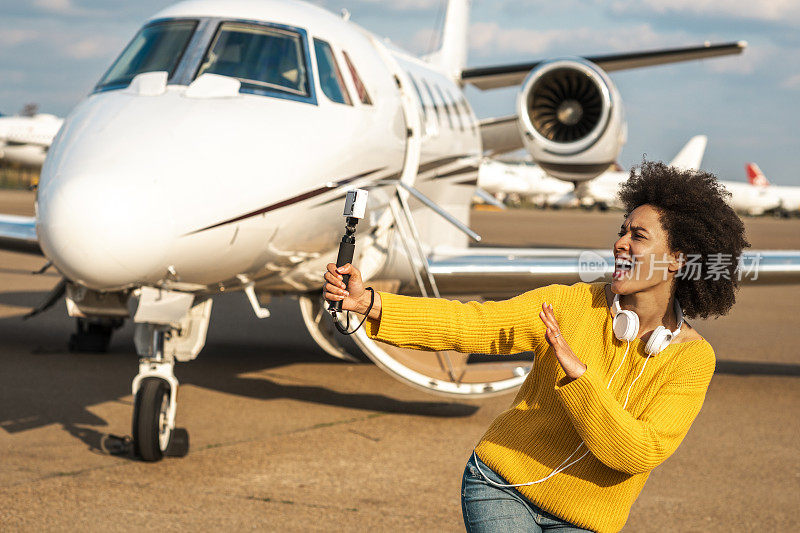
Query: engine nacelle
[{"x": 571, "y": 119}]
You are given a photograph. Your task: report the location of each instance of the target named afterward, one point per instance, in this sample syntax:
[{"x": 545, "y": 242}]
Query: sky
[{"x": 52, "y": 52}]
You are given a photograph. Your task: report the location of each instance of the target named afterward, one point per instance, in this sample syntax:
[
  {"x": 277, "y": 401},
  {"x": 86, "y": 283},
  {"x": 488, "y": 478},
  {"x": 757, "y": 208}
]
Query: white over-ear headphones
[{"x": 626, "y": 327}]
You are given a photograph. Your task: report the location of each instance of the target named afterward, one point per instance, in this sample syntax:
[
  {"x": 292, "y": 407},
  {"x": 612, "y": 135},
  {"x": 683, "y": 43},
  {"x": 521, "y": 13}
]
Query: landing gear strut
[
  {"x": 170, "y": 326},
  {"x": 155, "y": 391}
]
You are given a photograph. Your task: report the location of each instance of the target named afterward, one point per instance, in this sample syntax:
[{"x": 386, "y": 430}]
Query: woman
[{"x": 602, "y": 405}]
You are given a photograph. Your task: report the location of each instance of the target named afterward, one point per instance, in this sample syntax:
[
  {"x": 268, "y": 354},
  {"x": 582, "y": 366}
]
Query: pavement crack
[
  {"x": 320, "y": 425},
  {"x": 301, "y": 504},
  {"x": 56, "y": 475},
  {"x": 364, "y": 435}
]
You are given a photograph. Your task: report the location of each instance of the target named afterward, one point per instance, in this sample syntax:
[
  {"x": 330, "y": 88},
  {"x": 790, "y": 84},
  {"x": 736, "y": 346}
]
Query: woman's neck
[{"x": 655, "y": 307}]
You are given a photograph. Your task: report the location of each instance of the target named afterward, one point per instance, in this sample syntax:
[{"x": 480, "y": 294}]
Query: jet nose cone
[{"x": 105, "y": 233}]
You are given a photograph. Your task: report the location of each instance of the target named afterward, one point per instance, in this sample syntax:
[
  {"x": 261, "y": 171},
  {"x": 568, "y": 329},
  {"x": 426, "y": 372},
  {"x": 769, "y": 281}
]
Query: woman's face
[{"x": 642, "y": 256}]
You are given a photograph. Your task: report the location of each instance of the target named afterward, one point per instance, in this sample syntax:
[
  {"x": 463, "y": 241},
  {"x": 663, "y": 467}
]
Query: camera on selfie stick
[{"x": 355, "y": 205}]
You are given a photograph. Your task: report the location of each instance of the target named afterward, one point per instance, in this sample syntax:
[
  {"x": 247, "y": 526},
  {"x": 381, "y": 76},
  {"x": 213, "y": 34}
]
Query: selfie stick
[{"x": 355, "y": 205}]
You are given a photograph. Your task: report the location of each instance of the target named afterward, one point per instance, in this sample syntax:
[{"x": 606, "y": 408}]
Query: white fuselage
[
  {"x": 529, "y": 181},
  {"x": 788, "y": 196},
  {"x": 526, "y": 180},
  {"x": 25, "y": 140},
  {"x": 603, "y": 189},
  {"x": 744, "y": 197},
  {"x": 750, "y": 199},
  {"x": 225, "y": 186}
]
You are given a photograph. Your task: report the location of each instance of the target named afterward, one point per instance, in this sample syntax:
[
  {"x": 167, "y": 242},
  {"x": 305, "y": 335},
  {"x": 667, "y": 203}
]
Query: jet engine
[{"x": 571, "y": 119}]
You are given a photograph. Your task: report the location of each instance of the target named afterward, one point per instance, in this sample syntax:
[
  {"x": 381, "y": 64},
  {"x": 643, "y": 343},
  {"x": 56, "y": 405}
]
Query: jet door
[{"x": 410, "y": 114}]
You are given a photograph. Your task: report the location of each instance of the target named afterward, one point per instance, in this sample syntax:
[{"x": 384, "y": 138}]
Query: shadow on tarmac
[
  {"x": 749, "y": 368},
  {"x": 43, "y": 384}
]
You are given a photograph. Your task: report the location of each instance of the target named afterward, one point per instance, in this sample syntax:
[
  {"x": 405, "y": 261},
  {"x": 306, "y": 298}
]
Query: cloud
[
  {"x": 748, "y": 62},
  {"x": 792, "y": 82},
  {"x": 402, "y": 5},
  {"x": 13, "y": 37},
  {"x": 50, "y": 40},
  {"x": 92, "y": 47},
  {"x": 55, "y": 6},
  {"x": 62, "y": 8},
  {"x": 491, "y": 39},
  {"x": 781, "y": 11},
  {"x": 424, "y": 41},
  {"x": 14, "y": 76}
]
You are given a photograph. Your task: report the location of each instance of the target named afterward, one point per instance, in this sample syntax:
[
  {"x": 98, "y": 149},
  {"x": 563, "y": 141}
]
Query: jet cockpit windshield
[
  {"x": 262, "y": 58},
  {"x": 157, "y": 47},
  {"x": 267, "y": 59}
]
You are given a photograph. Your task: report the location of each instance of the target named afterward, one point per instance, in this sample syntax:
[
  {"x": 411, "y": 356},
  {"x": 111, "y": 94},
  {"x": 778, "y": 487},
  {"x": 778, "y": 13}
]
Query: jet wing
[
  {"x": 494, "y": 77},
  {"x": 500, "y": 135},
  {"x": 496, "y": 273},
  {"x": 18, "y": 233},
  {"x": 505, "y": 272}
]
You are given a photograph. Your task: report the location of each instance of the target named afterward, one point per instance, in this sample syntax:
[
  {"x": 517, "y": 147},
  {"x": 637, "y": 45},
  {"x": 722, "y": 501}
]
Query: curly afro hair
[{"x": 699, "y": 223}]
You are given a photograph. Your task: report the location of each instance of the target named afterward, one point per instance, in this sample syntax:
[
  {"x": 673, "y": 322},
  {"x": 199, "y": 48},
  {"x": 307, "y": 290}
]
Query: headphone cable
[{"x": 559, "y": 468}]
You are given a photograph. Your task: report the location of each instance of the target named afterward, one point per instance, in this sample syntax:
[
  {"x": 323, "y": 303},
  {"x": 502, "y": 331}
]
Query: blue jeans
[{"x": 487, "y": 508}]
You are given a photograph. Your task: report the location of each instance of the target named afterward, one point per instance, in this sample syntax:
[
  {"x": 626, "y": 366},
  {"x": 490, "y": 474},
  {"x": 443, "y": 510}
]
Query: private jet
[
  {"x": 524, "y": 181},
  {"x": 25, "y": 140},
  {"x": 534, "y": 184},
  {"x": 215, "y": 154}
]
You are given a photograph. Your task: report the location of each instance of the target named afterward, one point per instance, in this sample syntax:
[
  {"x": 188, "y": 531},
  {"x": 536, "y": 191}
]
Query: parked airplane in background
[
  {"x": 602, "y": 191},
  {"x": 753, "y": 199},
  {"x": 215, "y": 153},
  {"x": 525, "y": 181},
  {"x": 25, "y": 140},
  {"x": 789, "y": 197},
  {"x": 744, "y": 198},
  {"x": 532, "y": 182}
]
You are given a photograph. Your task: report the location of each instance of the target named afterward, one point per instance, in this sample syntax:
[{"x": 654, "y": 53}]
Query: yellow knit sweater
[{"x": 549, "y": 419}]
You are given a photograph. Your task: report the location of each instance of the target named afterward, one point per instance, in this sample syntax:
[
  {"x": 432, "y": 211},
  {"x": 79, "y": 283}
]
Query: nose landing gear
[
  {"x": 155, "y": 391},
  {"x": 170, "y": 326}
]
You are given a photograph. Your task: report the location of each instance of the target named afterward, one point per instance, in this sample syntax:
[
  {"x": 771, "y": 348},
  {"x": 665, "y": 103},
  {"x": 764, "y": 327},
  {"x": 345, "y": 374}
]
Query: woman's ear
[{"x": 676, "y": 262}]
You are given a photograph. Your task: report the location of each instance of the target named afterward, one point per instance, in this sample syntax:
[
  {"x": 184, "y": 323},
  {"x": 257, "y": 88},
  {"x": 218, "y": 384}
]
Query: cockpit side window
[
  {"x": 363, "y": 95},
  {"x": 330, "y": 77},
  {"x": 262, "y": 58},
  {"x": 158, "y": 47}
]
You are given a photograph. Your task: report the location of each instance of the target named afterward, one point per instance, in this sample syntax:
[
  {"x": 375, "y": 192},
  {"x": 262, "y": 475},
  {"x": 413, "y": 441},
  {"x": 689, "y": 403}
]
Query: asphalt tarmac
[{"x": 285, "y": 438}]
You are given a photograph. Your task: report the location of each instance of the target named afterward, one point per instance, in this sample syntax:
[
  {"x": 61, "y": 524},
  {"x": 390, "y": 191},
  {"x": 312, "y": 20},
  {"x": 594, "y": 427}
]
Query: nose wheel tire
[{"x": 151, "y": 431}]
